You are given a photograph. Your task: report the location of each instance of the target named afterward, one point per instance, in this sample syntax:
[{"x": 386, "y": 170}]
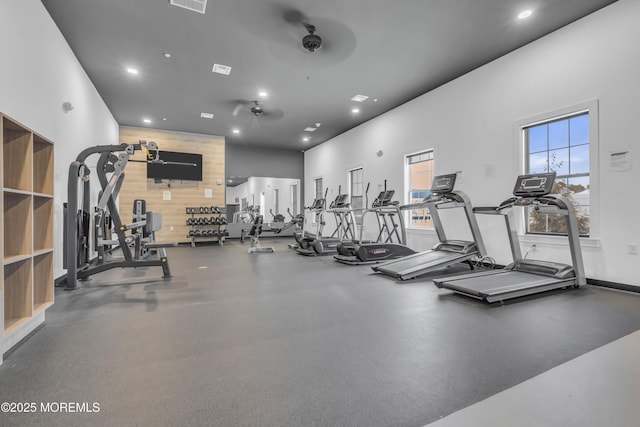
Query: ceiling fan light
[
  {"x": 312, "y": 42},
  {"x": 257, "y": 110}
]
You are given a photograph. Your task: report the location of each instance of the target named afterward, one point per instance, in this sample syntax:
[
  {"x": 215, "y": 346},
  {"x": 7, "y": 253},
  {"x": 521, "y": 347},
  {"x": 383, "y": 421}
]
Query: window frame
[
  {"x": 358, "y": 214},
  {"x": 276, "y": 201},
  {"x": 407, "y": 187},
  {"x": 293, "y": 193},
  {"x": 318, "y": 191},
  {"x": 592, "y": 108},
  {"x": 318, "y": 194}
]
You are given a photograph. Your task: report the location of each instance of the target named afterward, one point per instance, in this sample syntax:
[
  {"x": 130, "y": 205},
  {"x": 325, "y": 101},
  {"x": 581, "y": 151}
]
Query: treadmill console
[
  {"x": 384, "y": 198},
  {"x": 443, "y": 184},
  {"x": 340, "y": 201},
  {"x": 317, "y": 204},
  {"x": 534, "y": 185}
]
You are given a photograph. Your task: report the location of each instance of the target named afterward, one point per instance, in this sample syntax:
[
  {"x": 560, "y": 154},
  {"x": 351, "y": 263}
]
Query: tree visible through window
[
  {"x": 561, "y": 146},
  {"x": 419, "y": 169}
]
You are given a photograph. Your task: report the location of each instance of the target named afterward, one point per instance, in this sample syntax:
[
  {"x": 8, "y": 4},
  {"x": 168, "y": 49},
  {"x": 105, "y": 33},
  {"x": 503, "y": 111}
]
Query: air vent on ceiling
[
  {"x": 221, "y": 69},
  {"x": 359, "y": 98},
  {"x": 194, "y": 5}
]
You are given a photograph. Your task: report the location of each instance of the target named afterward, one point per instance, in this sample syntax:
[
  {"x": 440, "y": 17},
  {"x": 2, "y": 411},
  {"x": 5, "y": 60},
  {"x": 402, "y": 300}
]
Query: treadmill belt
[
  {"x": 415, "y": 265},
  {"x": 503, "y": 285}
]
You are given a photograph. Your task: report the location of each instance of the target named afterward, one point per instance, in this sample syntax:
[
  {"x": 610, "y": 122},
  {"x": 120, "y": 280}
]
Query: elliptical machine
[
  {"x": 345, "y": 225},
  {"x": 391, "y": 240},
  {"x": 304, "y": 238}
]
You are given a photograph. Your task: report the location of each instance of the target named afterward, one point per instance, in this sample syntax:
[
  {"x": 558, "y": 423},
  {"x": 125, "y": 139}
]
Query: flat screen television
[{"x": 185, "y": 166}]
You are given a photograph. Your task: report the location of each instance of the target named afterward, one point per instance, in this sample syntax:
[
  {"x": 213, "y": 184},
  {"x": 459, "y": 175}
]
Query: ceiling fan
[
  {"x": 299, "y": 40},
  {"x": 255, "y": 108}
]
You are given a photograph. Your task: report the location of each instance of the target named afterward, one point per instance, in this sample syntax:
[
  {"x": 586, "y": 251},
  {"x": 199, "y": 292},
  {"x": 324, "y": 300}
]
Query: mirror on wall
[{"x": 276, "y": 199}]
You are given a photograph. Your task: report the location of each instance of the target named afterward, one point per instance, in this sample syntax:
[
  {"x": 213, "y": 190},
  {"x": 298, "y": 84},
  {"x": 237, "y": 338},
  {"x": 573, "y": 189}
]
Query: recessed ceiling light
[
  {"x": 359, "y": 98},
  {"x": 199, "y": 6},
  {"x": 132, "y": 70},
  {"x": 355, "y": 110},
  {"x": 164, "y": 119},
  {"x": 309, "y": 129},
  {"x": 206, "y": 115},
  {"x": 525, "y": 14},
  {"x": 375, "y": 99},
  {"x": 146, "y": 120},
  {"x": 166, "y": 55},
  {"x": 318, "y": 125},
  {"x": 262, "y": 93},
  {"x": 235, "y": 130},
  {"x": 221, "y": 69},
  {"x": 305, "y": 139}
]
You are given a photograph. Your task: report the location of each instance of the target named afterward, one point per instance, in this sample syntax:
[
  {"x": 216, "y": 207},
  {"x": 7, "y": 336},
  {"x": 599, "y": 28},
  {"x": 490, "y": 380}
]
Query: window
[
  {"x": 318, "y": 185},
  {"x": 276, "y": 201},
  {"x": 294, "y": 198},
  {"x": 561, "y": 145},
  {"x": 356, "y": 190},
  {"x": 419, "y": 172},
  {"x": 319, "y": 195}
]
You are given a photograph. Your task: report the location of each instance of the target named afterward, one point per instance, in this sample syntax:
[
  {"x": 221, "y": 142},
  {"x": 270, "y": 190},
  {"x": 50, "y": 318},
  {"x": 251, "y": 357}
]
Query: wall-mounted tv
[{"x": 173, "y": 165}]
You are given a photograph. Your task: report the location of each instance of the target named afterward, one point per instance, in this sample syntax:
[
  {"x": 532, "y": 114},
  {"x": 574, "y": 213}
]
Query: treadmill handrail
[{"x": 390, "y": 209}]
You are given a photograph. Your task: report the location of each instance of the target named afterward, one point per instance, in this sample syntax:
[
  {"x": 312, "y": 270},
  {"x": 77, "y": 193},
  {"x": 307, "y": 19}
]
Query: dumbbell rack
[{"x": 206, "y": 227}]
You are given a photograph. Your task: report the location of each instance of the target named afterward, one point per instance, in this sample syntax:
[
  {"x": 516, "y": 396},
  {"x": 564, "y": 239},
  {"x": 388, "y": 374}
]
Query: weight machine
[{"x": 137, "y": 247}]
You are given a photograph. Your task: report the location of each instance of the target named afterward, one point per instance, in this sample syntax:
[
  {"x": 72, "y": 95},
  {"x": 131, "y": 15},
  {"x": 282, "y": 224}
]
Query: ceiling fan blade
[
  {"x": 237, "y": 110},
  {"x": 293, "y": 16}
]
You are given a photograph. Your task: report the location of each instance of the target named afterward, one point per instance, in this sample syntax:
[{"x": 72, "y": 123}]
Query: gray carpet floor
[{"x": 284, "y": 340}]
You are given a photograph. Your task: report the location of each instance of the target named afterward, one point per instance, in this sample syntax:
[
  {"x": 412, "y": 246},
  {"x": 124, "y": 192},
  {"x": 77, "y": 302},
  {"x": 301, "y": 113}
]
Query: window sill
[
  {"x": 585, "y": 242},
  {"x": 429, "y": 231}
]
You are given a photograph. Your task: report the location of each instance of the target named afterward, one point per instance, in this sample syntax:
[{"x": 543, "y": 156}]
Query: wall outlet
[
  {"x": 171, "y": 228},
  {"x": 633, "y": 248}
]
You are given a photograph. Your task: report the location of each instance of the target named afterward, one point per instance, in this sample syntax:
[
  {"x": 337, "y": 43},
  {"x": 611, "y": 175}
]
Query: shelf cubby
[
  {"x": 42, "y": 280},
  {"x": 42, "y": 223},
  {"x": 42, "y": 166},
  {"x": 26, "y": 213},
  {"x": 17, "y": 156},
  {"x": 17, "y": 294},
  {"x": 17, "y": 225}
]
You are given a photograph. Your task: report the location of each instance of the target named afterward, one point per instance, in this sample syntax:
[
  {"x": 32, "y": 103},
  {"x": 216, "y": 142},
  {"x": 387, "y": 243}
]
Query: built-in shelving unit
[{"x": 27, "y": 231}]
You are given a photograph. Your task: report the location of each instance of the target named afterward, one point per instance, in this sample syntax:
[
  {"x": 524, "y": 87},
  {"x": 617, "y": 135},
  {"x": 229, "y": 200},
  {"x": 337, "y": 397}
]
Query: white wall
[
  {"x": 39, "y": 72},
  {"x": 255, "y": 185},
  {"x": 470, "y": 123}
]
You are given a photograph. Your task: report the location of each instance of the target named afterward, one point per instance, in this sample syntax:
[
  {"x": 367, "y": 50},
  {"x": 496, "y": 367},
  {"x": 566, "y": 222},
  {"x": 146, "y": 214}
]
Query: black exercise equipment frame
[{"x": 113, "y": 159}]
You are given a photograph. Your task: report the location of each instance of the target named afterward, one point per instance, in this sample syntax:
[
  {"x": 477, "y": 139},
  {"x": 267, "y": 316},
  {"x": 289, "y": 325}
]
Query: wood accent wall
[{"x": 183, "y": 193}]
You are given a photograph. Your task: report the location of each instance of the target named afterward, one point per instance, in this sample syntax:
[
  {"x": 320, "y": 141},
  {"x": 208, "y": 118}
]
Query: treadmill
[
  {"x": 446, "y": 252},
  {"x": 525, "y": 277}
]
